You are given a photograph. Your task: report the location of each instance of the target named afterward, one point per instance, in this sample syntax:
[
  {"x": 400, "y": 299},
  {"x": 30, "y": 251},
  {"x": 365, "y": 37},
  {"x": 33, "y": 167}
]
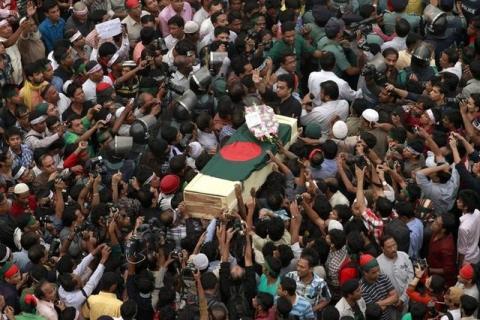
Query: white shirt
[
  {"x": 346, "y": 310},
  {"x": 468, "y": 237},
  {"x": 77, "y": 298},
  {"x": 16, "y": 58},
  {"x": 399, "y": 271},
  {"x": 200, "y": 16},
  {"x": 210, "y": 37},
  {"x": 207, "y": 140},
  {"x": 47, "y": 310},
  {"x": 456, "y": 314},
  {"x": 170, "y": 41},
  {"x": 456, "y": 70},
  {"x": 90, "y": 88},
  {"x": 345, "y": 92},
  {"x": 206, "y": 27},
  {"x": 397, "y": 43},
  {"x": 133, "y": 28},
  {"x": 322, "y": 115}
]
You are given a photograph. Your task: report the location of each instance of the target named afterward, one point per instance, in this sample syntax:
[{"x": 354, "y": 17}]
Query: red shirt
[
  {"x": 17, "y": 209},
  {"x": 443, "y": 254}
]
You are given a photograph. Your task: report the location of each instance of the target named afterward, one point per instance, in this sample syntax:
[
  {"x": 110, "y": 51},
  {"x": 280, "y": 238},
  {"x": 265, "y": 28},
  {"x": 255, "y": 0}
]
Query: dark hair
[
  {"x": 289, "y": 285},
  {"x": 287, "y": 78},
  {"x": 405, "y": 209},
  {"x": 169, "y": 134},
  {"x": 108, "y": 280},
  {"x": 448, "y": 222},
  {"x": 284, "y": 306},
  {"x": 147, "y": 18},
  {"x": 402, "y": 28},
  {"x": 337, "y": 237},
  {"x": 106, "y": 49},
  {"x": 330, "y": 149},
  {"x": 310, "y": 257},
  {"x": 418, "y": 310},
  {"x": 276, "y": 228},
  {"x": 48, "y": 5},
  {"x": 203, "y": 121},
  {"x": 147, "y": 34},
  {"x": 344, "y": 211},
  {"x": 412, "y": 39},
  {"x": 288, "y": 26},
  {"x": 128, "y": 310},
  {"x": 209, "y": 280},
  {"x": 36, "y": 253},
  {"x": 469, "y": 198},
  {"x": 469, "y": 304},
  {"x": 437, "y": 285},
  {"x": 389, "y": 51},
  {"x": 177, "y": 21},
  {"x": 475, "y": 69},
  {"x": 32, "y": 68},
  {"x": 215, "y": 16},
  {"x": 373, "y": 312},
  {"x": 69, "y": 215},
  {"x": 330, "y": 89},
  {"x": 349, "y": 287},
  {"x": 384, "y": 207},
  {"x": 322, "y": 206},
  {"x": 385, "y": 237},
  {"x": 327, "y": 61},
  {"x": 285, "y": 255},
  {"x": 265, "y": 300},
  {"x": 330, "y": 313},
  {"x": 275, "y": 266}
]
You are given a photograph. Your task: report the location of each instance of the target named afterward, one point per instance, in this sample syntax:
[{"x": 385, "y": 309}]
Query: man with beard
[
  {"x": 237, "y": 284},
  {"x": 34, "y": 83}
]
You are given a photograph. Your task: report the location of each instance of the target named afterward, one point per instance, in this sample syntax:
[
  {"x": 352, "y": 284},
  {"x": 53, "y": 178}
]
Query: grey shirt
[{"x": 443, "y": 195}]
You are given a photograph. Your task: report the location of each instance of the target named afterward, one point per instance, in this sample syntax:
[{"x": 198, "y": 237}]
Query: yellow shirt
[
  {"x": 415, "y": 7},
  {"x": 101, "y": 304}
]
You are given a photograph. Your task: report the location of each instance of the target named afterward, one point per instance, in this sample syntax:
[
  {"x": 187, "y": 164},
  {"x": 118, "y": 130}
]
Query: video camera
[
  {"x": 365, "y": 27},
  {"x": 146, "y": 242}
]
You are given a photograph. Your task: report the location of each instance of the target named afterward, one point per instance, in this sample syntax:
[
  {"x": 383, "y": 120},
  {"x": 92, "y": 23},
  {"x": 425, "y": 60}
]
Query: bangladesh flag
[{"x": 243, "y": 154}]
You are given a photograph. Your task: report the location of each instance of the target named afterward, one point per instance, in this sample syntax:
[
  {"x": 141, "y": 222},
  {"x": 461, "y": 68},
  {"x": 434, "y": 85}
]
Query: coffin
[{"x": 212, "y": 191}]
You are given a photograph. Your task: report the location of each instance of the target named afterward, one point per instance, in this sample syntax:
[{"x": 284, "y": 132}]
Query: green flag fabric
[{"x": 243, "y": 154}]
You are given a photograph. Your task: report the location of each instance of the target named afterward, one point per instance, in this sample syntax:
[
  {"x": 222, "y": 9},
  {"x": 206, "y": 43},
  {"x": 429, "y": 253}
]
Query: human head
[
  {"x": 51, "y": 9},
  {"x": 329, "y": 91},
  {"x": 288, "y": 35},
  {"x": 389, "y": 246},
  {"x": 284, "y": 86},
  {"x": 34, "y": 73},
  {"x": 370, "y": 268}
]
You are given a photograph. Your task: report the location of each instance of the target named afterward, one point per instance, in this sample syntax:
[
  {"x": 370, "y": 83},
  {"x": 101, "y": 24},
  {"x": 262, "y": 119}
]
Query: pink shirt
[
  {"x": 137, "y": 52},
  {"x": 168, "y": 12}
]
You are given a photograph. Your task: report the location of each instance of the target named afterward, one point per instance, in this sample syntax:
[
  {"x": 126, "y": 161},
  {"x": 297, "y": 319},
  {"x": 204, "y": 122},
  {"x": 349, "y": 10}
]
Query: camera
[
  {"x": 239, "y": 226},
  {"x": 422, "y": 263},
  {"x": 54, "y": 249},
  {"x": 159, "y": 45},
  {"x": 359, "y": 161},
  {"x": 96, "y": 166},
  {"x": 147, "y": 241},
  {"x": 299, "y": 199}
]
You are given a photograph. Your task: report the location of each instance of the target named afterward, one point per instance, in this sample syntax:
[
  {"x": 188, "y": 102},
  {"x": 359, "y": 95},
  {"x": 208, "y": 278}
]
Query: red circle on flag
[{"x": 241, "y": 151}]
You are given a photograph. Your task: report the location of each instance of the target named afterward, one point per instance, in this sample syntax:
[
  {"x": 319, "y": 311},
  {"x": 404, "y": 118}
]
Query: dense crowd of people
[{"x": 109, "y": 108}]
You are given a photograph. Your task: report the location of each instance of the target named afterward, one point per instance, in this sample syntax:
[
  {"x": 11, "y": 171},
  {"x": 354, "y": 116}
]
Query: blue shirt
[
  {"x": 51, "y": 32},
  {"x": 302, "y": 309},
  {"x": 416, "y": 237}
]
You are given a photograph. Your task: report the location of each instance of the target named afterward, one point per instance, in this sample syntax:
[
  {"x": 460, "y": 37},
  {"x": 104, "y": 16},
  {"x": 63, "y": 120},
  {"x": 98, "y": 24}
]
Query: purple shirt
[{"x": 168, "y": 12}]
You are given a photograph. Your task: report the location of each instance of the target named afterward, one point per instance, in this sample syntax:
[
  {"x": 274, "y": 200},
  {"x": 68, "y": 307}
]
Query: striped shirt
[
  {"x": 379, "y": 290},
  {"x": 302, "y": 309},
  {"x": 314, "y": 292}
]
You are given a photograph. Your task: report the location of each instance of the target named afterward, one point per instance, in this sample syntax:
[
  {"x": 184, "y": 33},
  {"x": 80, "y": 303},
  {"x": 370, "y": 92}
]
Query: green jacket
[{"x": 300, "y": 48}]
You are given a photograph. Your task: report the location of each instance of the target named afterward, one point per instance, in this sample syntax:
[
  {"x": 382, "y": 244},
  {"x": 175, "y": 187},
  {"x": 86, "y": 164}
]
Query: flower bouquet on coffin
[{"x": 262, "y": 123}]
